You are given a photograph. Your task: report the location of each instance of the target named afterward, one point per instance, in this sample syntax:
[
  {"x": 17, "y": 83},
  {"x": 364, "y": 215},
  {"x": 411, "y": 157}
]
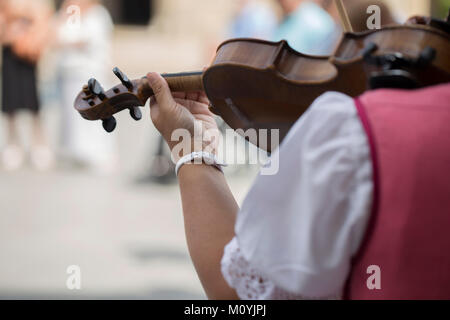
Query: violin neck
[{"x": 178, "y": 82}]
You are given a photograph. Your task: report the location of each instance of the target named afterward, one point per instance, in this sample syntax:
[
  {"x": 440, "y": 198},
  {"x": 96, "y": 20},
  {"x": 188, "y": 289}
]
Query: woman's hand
[
  {"x": 188, "y": 111},
  {"x": 208, "y": 204}
]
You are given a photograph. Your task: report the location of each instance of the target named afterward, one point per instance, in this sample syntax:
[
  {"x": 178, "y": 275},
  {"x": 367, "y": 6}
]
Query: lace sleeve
[{"x": 248, "y": 282}]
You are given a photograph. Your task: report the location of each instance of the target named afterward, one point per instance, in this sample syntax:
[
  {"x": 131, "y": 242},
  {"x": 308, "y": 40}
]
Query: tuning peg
[
  {"x": 135, "y": 113},
  {"x": 123, "y": 78},
  {"x": 427, "y": 56},
  {"x": 96, "y": 88},
  {"x": 368, "y": 54},
  {"x": 109, "y": 124}
]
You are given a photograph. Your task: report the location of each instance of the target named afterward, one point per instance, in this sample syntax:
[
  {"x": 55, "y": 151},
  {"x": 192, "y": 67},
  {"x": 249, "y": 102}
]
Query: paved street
[{"x": 127, "y": 238}]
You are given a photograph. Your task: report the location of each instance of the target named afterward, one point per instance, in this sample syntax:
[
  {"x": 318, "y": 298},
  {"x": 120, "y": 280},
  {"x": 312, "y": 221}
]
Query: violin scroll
[{"x": 94, "y": 103}]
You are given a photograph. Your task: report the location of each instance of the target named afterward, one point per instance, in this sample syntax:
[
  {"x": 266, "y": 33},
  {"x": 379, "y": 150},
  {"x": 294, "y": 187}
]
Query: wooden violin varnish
[{"x": 256, "y": 84}]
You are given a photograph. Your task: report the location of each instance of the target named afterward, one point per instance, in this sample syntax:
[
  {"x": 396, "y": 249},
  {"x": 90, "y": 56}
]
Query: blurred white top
[
  {"x": 298, "y": 230},
  {"x": 86, "y": 46}
]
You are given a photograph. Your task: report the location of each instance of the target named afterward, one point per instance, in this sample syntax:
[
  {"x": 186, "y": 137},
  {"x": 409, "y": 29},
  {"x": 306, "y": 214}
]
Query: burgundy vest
[{"x": 408, "y": 235}]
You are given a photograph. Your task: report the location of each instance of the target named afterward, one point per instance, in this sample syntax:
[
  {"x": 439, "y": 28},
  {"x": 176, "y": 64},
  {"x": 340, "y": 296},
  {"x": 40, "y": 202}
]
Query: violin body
[
  {"x": 255, "y": 84},
  {"x": 264, "y": 85}
]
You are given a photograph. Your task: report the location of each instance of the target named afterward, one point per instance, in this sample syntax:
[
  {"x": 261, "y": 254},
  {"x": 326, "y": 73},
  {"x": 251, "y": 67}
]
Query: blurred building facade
[{"x": 206, "y": 16}]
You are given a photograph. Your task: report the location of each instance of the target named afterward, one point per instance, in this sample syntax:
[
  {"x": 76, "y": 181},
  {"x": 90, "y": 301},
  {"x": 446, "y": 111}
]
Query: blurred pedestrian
[
  {"x": 22, "y": 25},
  {"x": 253, "y": 19},
  {"x": 308, "y": 27},
  {"x": 84, "y": 36}
]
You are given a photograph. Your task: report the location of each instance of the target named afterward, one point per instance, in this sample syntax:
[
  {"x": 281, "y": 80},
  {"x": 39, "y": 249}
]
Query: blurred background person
[
  {"x": 253, "y": 19},
  {"x": 314, "y": 27},
  {"x": 83, "y": 40},
  {"x": 21, "y": 35},
  {"x": 307, "y": 26}
]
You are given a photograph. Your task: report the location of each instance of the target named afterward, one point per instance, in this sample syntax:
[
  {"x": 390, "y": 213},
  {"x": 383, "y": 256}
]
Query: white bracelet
[{"x": 206, "y": 157}]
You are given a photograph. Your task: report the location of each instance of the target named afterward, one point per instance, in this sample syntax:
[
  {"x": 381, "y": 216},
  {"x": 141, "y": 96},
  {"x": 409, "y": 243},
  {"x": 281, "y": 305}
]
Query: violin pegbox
[{"x": 94, "y": 103}]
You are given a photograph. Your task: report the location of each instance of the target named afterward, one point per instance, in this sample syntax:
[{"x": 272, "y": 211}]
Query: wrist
[
  {"x": 199, "y": 158},
  {"x": 182, "y": 149},
  {"x": 184, "y": 141}
]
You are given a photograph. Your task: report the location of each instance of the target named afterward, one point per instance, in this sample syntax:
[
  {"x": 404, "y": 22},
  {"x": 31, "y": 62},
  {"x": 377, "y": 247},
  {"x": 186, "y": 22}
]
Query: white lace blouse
[{"x": 298, "y": 230}]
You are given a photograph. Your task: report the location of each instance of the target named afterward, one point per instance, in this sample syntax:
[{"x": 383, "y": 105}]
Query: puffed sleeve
[{"x": 299, "y": 228}]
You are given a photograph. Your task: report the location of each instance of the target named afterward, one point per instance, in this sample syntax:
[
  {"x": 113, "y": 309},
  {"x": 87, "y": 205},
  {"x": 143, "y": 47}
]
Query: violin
[{"x": 256, "y": 84}]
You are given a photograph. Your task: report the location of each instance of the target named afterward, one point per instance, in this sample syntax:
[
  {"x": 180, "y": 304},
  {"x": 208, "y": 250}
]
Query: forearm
[
  {"x": 209, "y": 214},
  {"x": 209, "y": 207}
]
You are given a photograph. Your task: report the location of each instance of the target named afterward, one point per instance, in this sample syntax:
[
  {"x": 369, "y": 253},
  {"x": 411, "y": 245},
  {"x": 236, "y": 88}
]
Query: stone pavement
[{"x": 127, "y": 238}]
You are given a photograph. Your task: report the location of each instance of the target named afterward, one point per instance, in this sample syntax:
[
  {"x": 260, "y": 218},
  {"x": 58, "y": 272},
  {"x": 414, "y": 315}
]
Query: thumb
[{"x": 161, "y": 89}]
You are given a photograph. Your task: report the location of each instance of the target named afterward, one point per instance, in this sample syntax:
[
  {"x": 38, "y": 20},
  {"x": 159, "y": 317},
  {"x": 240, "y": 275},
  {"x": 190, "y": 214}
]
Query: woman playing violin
[{"x": 358, "y": 209}]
